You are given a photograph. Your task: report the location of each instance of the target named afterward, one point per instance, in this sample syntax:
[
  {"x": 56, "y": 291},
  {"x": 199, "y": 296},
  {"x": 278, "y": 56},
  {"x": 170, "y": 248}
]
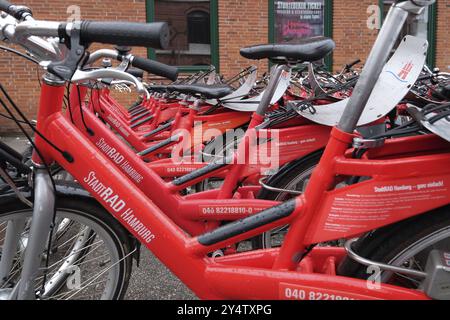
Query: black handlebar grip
[
  {"x": 138, "y": 73},
  {"x": 154, "y": 35},
  {"x": 4, "y": 5},
  {"x": 18, "y": 12},
  {"x": 351, "y": 65},
  {"x": 154, "y": 67}
]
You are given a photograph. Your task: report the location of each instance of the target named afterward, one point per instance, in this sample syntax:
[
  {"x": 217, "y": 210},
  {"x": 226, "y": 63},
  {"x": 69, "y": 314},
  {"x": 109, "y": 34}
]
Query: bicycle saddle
[
  {"x": 308, "y": 50},
  {"x": 207, "y": 91},
  {"x": 445, "y": 91}
]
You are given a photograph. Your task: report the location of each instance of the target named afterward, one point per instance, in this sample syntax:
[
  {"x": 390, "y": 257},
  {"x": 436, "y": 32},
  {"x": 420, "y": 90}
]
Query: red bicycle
[{"x": 405, "y": 200}]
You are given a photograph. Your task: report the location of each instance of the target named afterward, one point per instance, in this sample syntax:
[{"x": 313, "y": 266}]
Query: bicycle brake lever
[
  {"x": 124, "y": 82},
  {"x": 80, "y": 75},
  {"x": 112, "y": 54}
]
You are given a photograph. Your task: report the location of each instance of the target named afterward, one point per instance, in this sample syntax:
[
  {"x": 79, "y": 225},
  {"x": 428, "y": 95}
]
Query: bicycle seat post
[{"x": 266, "y": 99}]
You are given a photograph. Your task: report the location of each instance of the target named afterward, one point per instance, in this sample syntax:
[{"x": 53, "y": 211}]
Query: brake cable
[
  {"x": 9, "y": 118},
  {"x": 21, "y": 54},
  {"x": 88, "y": 130},
  {"x": 66, "y": 155},
  {"x": 7, "y": 178},
  {"x": 69, "y": 107},
  {"x": 26, "y": 57}
]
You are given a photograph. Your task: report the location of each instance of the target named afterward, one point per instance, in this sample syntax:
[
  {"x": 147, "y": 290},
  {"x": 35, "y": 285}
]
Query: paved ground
[{"x": 152, "y": 280}]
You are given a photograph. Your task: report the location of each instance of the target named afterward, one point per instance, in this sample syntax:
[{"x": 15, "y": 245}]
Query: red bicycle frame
[
  {"x": 406, "y": 177},
  {"x": 203, "y": 211},
  {"x": 183, "y": 118},
  {"x": 268, "y": 274}
]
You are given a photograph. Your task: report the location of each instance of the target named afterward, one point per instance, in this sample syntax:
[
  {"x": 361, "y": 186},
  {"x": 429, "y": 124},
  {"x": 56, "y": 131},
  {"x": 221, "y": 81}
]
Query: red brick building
[{"x": 205, "y": 32}]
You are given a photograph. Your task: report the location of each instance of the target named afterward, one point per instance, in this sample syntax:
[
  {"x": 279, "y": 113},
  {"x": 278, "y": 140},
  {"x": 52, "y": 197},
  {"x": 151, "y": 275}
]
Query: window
[
  {"x": 199, "y": 27},
  {"x": 193, "y": 32},
  {"x": 291, "y": 21},
  {"x": 426, "y": 28}
]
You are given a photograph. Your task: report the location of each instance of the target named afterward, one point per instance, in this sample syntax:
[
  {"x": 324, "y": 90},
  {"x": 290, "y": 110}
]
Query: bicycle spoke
[{"x": 106, "y": 270}]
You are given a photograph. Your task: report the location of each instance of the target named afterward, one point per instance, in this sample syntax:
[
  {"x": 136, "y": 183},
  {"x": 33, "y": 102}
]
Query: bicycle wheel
[
  {"x": 295, "y": 176},
  {"x": 405, "y": 244},
  {"x": 217, "y": 150},
  {"x": 90, "y": 256}
]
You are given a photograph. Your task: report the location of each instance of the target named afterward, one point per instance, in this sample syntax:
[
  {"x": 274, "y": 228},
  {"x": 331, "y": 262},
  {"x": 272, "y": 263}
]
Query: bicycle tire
[
  {"x": 91, "y": 210},
  {"x": 389, "y": 244},
  {"x": 282, "y": 180}
]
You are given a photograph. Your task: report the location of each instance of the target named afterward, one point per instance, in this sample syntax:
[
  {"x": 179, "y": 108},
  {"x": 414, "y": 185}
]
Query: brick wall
[
  {"x": 241, "y": 23},
  {"x": 350, "y": 32}
]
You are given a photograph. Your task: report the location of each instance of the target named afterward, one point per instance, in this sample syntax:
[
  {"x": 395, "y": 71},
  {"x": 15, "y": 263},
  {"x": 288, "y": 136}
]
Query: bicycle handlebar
[
  {"x": 18, "y": 12},
  {"x": 4, "y": 5},
  {"x": 148, "y": 65},
  {"x": 154, "y": 67},
  {"x": 351, "y": 65},
  {"x": 155, "y": 35},
  {"x": 138, "y": 73}
]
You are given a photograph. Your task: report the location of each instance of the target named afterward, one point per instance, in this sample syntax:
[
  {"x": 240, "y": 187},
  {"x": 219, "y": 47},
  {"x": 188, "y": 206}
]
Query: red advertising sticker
[{"x": 357, "y": 209}]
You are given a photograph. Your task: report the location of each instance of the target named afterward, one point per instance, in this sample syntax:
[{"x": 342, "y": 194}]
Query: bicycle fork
[{"x": 41, "y": 224}]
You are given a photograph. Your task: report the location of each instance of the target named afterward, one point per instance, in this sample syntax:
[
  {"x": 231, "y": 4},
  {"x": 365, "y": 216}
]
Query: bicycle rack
[
  {"x": 366, "y": 262},
  {"x": 270, "y": 188}
]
